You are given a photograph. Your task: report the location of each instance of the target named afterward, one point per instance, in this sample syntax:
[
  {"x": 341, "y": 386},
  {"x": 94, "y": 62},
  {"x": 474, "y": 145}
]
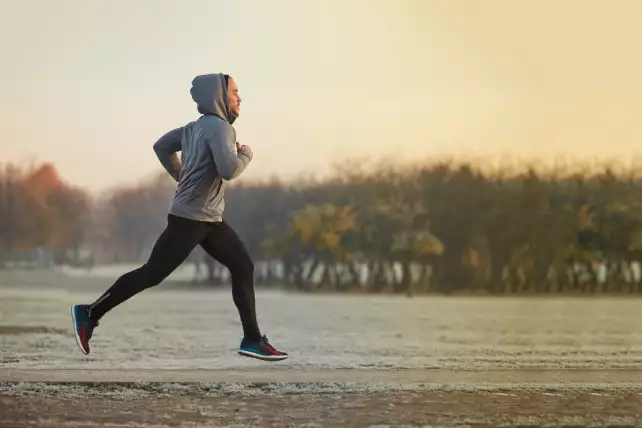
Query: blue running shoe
[
  {"x": 83, "y": 326},
  {"x": 261, "y": 349}
]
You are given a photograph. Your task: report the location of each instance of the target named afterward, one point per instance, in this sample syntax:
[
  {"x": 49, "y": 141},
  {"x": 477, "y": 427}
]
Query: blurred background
[{"x": 406, "y": 146}]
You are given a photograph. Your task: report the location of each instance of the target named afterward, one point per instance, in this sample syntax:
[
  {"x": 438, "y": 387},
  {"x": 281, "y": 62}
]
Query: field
[{"x": 167, "y": 358}]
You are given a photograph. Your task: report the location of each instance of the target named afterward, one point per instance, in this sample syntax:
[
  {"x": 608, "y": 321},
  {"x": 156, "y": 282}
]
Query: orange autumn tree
[
  {"x": 39, "y": 210},
  {"x": 12, "y": 206}
]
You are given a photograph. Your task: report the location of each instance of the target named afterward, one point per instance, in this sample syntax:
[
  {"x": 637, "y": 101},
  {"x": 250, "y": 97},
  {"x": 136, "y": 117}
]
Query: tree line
[
  {"x": 444, "y": 227},
  {"x": 39, "y": 211}
]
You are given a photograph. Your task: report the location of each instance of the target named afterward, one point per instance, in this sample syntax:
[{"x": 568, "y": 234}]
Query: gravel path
[
  {"x": 566, "y": 408},
  {"x": 278, "y": 397}
]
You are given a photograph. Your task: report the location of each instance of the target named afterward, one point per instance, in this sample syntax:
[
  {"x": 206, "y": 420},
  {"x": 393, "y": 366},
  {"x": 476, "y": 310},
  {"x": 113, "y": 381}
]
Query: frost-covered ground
[
  {"x": 355, "y": 360},
  {"x": 190, "y": 329}
]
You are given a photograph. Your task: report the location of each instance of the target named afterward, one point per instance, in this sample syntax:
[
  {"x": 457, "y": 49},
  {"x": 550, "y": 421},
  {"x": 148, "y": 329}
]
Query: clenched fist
[{"x": 244, "y": 148}]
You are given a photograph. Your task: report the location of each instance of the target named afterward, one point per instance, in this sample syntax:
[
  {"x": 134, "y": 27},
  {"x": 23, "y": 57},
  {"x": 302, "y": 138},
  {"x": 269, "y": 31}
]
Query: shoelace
[{"x": 267, "y": 342}]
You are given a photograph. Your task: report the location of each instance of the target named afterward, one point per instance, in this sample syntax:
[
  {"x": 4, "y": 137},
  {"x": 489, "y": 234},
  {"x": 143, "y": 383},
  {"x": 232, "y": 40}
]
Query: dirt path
[
  {"x": 283, "y": 397},
  {"x": 399, "y": 409}
]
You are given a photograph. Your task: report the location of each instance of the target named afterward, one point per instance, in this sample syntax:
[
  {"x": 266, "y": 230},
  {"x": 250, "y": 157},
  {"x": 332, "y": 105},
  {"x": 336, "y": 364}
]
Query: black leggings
[{"x": 173, "y": 246}]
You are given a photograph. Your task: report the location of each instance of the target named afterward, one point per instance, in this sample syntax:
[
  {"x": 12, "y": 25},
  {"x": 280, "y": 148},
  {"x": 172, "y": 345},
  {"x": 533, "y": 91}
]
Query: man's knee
[
  {"x": 243, "y": 267},
  {"x": 247, "y": 265}
]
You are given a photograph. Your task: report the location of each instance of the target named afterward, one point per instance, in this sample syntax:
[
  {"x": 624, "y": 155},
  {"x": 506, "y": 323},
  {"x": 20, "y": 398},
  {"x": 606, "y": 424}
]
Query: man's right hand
[{"x": 244, "y": 148}]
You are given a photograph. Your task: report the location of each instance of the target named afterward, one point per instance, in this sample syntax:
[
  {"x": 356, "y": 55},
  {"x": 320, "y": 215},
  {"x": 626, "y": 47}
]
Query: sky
[{"x": 90, "y": 85}]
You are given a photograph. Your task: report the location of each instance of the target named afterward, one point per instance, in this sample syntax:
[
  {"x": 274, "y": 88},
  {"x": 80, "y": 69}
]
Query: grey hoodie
[{"x": 208, "y": 153}]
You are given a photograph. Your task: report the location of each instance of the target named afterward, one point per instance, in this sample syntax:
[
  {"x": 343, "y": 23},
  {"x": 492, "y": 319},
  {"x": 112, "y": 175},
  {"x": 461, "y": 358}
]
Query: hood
[{"x": 209, "y": 92}]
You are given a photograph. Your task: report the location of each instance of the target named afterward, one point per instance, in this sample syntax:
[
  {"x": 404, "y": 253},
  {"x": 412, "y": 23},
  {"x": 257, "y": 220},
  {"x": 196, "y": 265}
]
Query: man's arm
[
  {"x": 166, "y": 148},
  {"x": 229, "y": 163}
]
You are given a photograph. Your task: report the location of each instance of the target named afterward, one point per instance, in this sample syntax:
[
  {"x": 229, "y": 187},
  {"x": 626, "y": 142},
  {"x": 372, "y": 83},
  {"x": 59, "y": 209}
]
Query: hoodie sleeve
[
  {"x": 229, "y": 163},
  {"x": 166, "y": 148}
]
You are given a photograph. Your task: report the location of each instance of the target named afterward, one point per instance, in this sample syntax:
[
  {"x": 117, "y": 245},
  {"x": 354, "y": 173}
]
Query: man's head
[
  {"x": 216, "y": 94},
  {"x": 233, "y": 98}
]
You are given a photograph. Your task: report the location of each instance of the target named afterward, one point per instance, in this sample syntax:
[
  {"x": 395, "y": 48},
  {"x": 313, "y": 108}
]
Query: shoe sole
[
  {"x": 263, "y": 357},
  {"x": 73, "y": 319}
]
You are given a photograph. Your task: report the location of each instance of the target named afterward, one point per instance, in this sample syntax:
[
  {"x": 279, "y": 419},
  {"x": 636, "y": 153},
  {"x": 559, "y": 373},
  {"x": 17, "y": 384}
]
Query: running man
[{"x": 210, "y": 156}]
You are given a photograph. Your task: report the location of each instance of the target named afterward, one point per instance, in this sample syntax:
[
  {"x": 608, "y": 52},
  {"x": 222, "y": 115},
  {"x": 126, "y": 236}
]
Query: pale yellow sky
[{"x": 90, "y": 84}]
